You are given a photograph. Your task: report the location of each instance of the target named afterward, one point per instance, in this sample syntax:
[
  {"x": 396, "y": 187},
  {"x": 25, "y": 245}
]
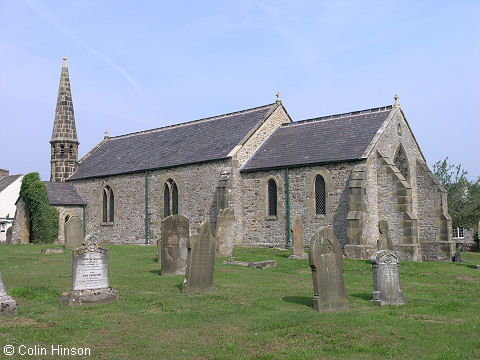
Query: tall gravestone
[
  {"x": 386, "y": 279},
  {"x": 89, "y": 276},
  {"x": 8, "y": 306},
  {"x": 326, "y": 262},
  {"x": 172, "y": 248},
  {"x": 298, "y": 250},
  {"x": 224, "y": 232},
  {"x": 73, "y": 232},
  {"x": 384, "y": 242},
  {"x": 200, "y": 261}
]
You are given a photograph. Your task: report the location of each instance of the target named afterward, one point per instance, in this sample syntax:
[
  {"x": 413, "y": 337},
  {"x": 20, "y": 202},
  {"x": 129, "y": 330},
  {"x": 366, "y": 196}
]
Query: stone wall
[
  {"x": 197, "y": 185},
  {"x": 236, "y": 187},
  {"x": 64, "y": 211},
  {"x": 259, "y": 229}
]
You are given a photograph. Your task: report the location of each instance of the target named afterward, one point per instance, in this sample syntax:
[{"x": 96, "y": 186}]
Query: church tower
[{"x": 64, "y": 143}]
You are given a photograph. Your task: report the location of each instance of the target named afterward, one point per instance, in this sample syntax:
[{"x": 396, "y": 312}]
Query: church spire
[
  {"x": 64, "y": 125},
  {"x": 64, "y": 151}
]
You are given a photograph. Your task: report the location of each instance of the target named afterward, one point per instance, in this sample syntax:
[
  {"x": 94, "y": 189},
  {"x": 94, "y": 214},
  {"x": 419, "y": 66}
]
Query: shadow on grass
[
  {"x": 472, "y": 266},
  {"x": 300, "y": 300},
  {"x": 363, "y": 296},
  {"x": 179, "y": 286},
  {"x": 155, "y": 259},
  {"x": 157, "y": 272}
]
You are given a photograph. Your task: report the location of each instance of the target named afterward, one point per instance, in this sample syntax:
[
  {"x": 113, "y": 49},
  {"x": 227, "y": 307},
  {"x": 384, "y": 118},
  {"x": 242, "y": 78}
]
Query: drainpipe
[
  {"x": 288, "y": 210},
  {"x": 84, "y": 229},
  {"x": 146, "y": 207}
]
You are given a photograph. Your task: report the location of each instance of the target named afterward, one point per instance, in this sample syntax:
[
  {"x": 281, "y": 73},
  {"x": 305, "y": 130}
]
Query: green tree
[
  {"x": 463, "y": 195},
  {"x": 43, "y": 216}
]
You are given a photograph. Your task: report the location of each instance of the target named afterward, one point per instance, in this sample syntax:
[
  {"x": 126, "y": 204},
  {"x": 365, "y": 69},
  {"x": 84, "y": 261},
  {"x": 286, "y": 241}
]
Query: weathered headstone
[
  {"x": 200, "y": 261},
  {"x": 386, "y": 279},
  {"x": 89, "y": 276},
  {"x": 172, "y": 248},
  {"x": 384, "y": 242},
  {"x": 326, "y": 262},
  {"x": 298, "y": 250},
  {"x": 8, "y": 306},
  {"x": 73, "y": 232},
  {"x": 457, "y": 257},
  {"x": 9, "y": 235},
  {"x": 224, "y": 232}
]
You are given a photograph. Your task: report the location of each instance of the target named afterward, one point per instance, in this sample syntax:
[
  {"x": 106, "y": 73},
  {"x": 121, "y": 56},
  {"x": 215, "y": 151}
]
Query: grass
[{"x": 252, "y": 313}]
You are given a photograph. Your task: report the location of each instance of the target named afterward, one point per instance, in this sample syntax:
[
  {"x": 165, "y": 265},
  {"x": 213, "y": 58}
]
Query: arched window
[
  {"x": 108, "y": 208},
  {"x": 320, "y": 203},
  {"x": 170, "y": 198},
  {"x": 401, "y": 162},
  {"x": 272, "y": 198},
  {"x": 62, "y": 149},
  {"x": 71, "y": 149},
  {"x": 66, "y": 218}
]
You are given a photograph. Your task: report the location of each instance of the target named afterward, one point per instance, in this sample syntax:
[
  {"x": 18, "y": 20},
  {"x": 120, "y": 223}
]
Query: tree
[{"x": 463, "y": 195}]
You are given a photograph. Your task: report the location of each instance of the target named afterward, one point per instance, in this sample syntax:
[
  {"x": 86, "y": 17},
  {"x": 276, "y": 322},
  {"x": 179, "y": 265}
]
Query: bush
[{"x": 43, "y": 216}]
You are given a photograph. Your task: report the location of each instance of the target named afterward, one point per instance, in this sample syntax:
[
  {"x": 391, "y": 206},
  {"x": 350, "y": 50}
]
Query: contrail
[{"x": 43, "y": 12}]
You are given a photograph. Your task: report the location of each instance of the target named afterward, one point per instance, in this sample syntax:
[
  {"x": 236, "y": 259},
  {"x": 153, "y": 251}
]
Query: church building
[{"x": 346, "y": 172}]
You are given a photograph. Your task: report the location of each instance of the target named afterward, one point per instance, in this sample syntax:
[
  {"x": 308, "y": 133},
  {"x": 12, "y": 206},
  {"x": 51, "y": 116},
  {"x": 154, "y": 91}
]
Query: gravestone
[
  {"x": 8, "y": 306},
  {"x": 224, "y": 232},
  {"x": 326, "y": 262},
  {"x": 89, "y": 276},
  {"x": 457, "y": 257},
  {"x": 73, "y": 231},
  {"x": 384, "y": 242},
  {"x": 386, "y": 278},
  {"x": 9, "y": 235},
  {"x": 298, "y": 250},
  {"x": 200, "y": 261},
  {"x": 172, "y": 248}
]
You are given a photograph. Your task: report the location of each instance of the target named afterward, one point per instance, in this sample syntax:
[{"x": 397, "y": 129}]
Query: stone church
[{"x": 346, "y": 172}]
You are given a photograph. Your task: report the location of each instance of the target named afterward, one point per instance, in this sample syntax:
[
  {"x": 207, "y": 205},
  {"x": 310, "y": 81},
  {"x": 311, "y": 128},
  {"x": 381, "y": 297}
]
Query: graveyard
[{"x": 250, "y": 313}]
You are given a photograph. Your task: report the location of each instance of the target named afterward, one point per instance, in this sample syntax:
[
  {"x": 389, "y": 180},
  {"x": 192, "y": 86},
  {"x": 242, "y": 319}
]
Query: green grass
[{"x": 252, "y": 313}]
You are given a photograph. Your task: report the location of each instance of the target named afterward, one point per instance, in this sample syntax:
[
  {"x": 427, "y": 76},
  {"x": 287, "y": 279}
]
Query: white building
[{"x": 9, "y": 191}]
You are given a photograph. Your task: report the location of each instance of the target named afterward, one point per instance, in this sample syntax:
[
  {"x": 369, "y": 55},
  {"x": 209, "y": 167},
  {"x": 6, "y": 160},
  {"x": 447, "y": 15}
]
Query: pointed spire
[{"x": 64, "y": 128}]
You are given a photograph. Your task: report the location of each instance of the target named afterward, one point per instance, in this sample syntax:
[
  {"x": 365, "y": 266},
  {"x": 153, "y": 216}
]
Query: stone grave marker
[
  {"x": 298, "y": 250},
  {"x": 386, "y": 278},
  {"x": 89, "y": 276},
  {"x": 73, "y": 231},
  {"x": 326, "y": 262},
  {"x": 384, "y": 242},
  {"x": 200, "y": 261},
  {"x": 8, "y": 306},
  {"x": 224, "y": 232},
  {"x": 172, "y": 248}
]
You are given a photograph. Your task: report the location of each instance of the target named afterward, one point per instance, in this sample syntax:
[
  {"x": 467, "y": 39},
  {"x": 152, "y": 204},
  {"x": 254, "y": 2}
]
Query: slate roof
[
  {"x": 60, "y": 193},
  {"x": 6, "y": 181},
  {"x": 193, "y": 142},
  {"x": 321, "y": 140}
]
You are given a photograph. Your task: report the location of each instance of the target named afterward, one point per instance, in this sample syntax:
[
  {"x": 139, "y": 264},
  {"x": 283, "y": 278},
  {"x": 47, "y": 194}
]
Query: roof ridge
[
  {"x": 188, "y": 122},
  {"x": 340, "y": 116}
]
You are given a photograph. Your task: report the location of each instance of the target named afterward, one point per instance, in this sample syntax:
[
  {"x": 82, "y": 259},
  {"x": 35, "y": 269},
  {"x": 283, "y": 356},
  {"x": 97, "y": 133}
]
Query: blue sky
[{"x": 136, "y": 65}]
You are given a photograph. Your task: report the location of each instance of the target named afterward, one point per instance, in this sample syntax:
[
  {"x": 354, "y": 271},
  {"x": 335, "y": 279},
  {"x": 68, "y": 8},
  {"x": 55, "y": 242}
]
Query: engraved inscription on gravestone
[{"x": 89, "y": 275}]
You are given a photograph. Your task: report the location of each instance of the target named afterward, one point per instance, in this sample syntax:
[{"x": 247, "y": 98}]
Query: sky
[{"x": 137, "y": 65}]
